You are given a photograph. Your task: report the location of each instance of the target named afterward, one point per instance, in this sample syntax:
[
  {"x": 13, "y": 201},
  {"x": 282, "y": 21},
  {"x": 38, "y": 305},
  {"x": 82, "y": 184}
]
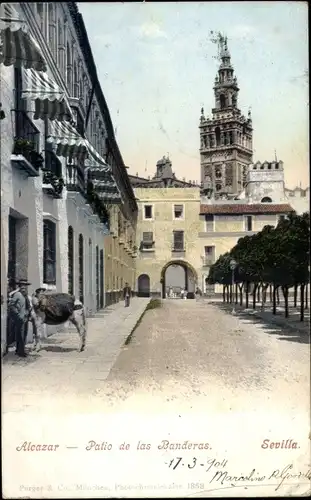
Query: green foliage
[
  {"x": 278, "y": 256},
  {"x": 96, "y": 204},
  {"x": 56, "y": 182}
]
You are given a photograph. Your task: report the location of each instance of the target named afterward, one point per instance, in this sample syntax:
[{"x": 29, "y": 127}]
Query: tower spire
[{"x": 226, "y": 139}]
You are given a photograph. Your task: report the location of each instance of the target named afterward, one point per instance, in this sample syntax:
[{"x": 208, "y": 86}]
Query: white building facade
[{"x": 56, "y": 186}]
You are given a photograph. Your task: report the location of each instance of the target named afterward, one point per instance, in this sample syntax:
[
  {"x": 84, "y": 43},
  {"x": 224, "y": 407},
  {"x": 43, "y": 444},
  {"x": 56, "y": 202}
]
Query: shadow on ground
[
  {"x": 57, "y": 348},
  {"x": 12, "y": 359},
  {"x": 287, "y": 332}
]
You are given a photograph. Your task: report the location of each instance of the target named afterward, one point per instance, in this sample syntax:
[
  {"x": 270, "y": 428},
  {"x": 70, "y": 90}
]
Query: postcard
[{"x": 155, "y": 265}]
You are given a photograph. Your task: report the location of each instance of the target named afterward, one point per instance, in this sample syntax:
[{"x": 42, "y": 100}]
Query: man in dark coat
[
  {"x": 19, "y": 314},
  {"x": 127, "y": 294}
]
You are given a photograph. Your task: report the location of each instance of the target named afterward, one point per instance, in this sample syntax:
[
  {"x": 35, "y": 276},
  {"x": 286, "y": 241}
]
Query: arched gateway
[{"x": 191, "y": 276}]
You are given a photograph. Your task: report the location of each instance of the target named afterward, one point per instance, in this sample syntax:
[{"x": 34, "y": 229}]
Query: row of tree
[{"x": 270, "y": 260}]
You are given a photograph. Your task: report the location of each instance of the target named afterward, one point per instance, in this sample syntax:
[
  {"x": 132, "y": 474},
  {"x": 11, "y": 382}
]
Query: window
[
  {"x": 147, "y": 241},
  {"x": 49, "y": 252},
  {"x": 266, "y": 199},
  {"x": 209, "y": 255},
  {"x": 70, "y": 260},
  {"x": 178, "y": 211},
  {"x": 90, "y": 267},
  {"x": 217, "y": 135},
  {"x": 222, "y": 100},
  {"x": 209, "y": 220},
  {"x": 61, "y": 49},
  {"x": 97, "y": 278},
  {"x": 209, "y": 251},
  {"x": 249, "y": 223},
  {"x": 101, "y": 278},
  {"x": 41, "y": 15},
  {"x": 81, "y": 268},
  {"x": 52, "y": 29},
  {"x": 12, "y": 248},
  {"x": 178, "y": 240},
  {"x": 281, "y": 218},
  {"x": 148, "y": 211},
  {"x": 75, "y": 80},
  {"x": 69, "y": 70}
]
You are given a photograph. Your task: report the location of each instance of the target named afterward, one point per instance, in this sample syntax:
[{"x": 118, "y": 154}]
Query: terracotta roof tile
[{"x": 260, "y": 208}]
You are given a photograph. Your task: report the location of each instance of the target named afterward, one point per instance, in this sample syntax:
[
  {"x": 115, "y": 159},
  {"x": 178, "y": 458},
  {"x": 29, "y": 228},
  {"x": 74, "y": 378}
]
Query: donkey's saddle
[{"x": 58, "y": 307}]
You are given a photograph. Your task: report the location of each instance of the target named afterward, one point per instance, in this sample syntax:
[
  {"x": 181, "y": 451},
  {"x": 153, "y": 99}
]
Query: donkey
[{"x": 52, "y": 308}]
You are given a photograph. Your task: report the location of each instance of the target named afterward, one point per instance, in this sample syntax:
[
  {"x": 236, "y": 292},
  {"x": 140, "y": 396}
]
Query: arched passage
[
  {"x": 190, "y": 277},
  {"x": 143, "y": 285}
]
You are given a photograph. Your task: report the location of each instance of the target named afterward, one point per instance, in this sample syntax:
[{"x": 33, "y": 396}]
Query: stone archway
[
  {"x": 189, "y": 269},
  {"x": 143, "y": 283}
]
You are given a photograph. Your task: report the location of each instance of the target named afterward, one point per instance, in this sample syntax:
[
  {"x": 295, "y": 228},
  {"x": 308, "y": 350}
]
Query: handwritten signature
[{"x": 223, "y": 476}]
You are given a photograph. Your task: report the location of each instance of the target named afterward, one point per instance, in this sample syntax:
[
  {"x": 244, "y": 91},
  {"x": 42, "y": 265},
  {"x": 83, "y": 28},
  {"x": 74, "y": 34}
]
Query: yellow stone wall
[
  {"x": 120, "y": 254},
  {"x": 162, "y": 225},
  {"x": 223, "y": 233},
  {"x": 227, "y": 230}
]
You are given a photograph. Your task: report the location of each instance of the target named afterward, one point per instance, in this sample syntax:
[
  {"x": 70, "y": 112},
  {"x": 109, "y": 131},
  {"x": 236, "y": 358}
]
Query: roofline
[{"x": 85, "y": 46}]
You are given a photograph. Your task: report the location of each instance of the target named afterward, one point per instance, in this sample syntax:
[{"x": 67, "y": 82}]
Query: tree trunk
[
  {"x": 246, "y": 297},
  {"x": 228, "y": 294},
  {"x": 258, "y": 294},
  {"x": 236, "y": 293},
  {"x": 277, "y": 296},
  {"x": 241, "y": 294},
  {"x": 263, "y": 296},
  {"x": 254, "y": 295},
  {"x": 307, "y": 300},
  {"x": 285, "y": 293},
  {"x": 295, "y": 295},
  {"x": 224, "y": 293},
  {"x": 271, "y": 293},
  {"x": 274, "y": 299},
  {"x": 302, "y": 302}
]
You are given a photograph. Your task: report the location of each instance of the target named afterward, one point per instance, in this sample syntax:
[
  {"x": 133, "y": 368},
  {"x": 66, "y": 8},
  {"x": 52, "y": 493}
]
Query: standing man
[
  {"x": 30, "y": 313},
  {"x": 19, "y": 315},
  {"x": 127, "y": 294}
]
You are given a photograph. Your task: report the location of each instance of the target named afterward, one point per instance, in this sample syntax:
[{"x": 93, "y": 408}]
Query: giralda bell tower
[{"x": 226, "y": 137}]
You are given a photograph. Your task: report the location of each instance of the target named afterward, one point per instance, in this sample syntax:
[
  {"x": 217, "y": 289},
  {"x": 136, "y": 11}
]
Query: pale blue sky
[{"x": 156, "y": 67}]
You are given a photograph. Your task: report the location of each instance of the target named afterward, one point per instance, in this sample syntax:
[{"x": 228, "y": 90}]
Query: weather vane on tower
[{"x": 221, "y": 41}]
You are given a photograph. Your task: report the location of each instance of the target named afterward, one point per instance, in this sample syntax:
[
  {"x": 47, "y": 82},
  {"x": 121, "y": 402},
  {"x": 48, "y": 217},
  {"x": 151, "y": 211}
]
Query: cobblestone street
[
  {"x": 186, "y": 355},
  {"x": 191, "y": 371}
]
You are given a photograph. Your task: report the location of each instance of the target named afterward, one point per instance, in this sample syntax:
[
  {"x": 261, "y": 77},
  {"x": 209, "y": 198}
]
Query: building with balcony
[
  {"x": 167, "y": 237},
  {"x": 62, "y": 174}
]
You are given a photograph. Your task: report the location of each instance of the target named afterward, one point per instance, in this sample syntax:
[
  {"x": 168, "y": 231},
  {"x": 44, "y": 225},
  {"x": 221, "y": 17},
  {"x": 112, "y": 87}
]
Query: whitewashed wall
[{"x": 22, "y": 196}]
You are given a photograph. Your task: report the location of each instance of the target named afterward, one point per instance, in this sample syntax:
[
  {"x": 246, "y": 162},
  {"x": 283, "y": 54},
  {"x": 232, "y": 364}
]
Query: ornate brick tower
[{"x": 226, "y": 138}]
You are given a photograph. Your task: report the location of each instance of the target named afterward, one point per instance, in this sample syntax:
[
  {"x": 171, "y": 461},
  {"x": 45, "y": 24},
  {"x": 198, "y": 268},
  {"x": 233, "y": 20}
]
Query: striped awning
[
  {"x": 50, "y": 100},
  {"x": 17, "y": 46},
  {"x": 94, "y": 160},
  {"x": 67, "y": 140},
  {"x": 105, "y": 185}
]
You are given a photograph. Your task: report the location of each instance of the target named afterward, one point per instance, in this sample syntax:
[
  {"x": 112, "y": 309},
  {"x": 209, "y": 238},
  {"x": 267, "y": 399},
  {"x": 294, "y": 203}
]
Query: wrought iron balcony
[
  {"x": 75, "y": 179},
  {"x": 53, "y": 181},
  {"x": 25, "y": 155},
  {"x": 147, "y": 246}
]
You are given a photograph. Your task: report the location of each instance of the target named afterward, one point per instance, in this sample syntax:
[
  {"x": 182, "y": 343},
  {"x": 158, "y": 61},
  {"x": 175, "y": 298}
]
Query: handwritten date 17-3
[{"x": 191, "y": 463}]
